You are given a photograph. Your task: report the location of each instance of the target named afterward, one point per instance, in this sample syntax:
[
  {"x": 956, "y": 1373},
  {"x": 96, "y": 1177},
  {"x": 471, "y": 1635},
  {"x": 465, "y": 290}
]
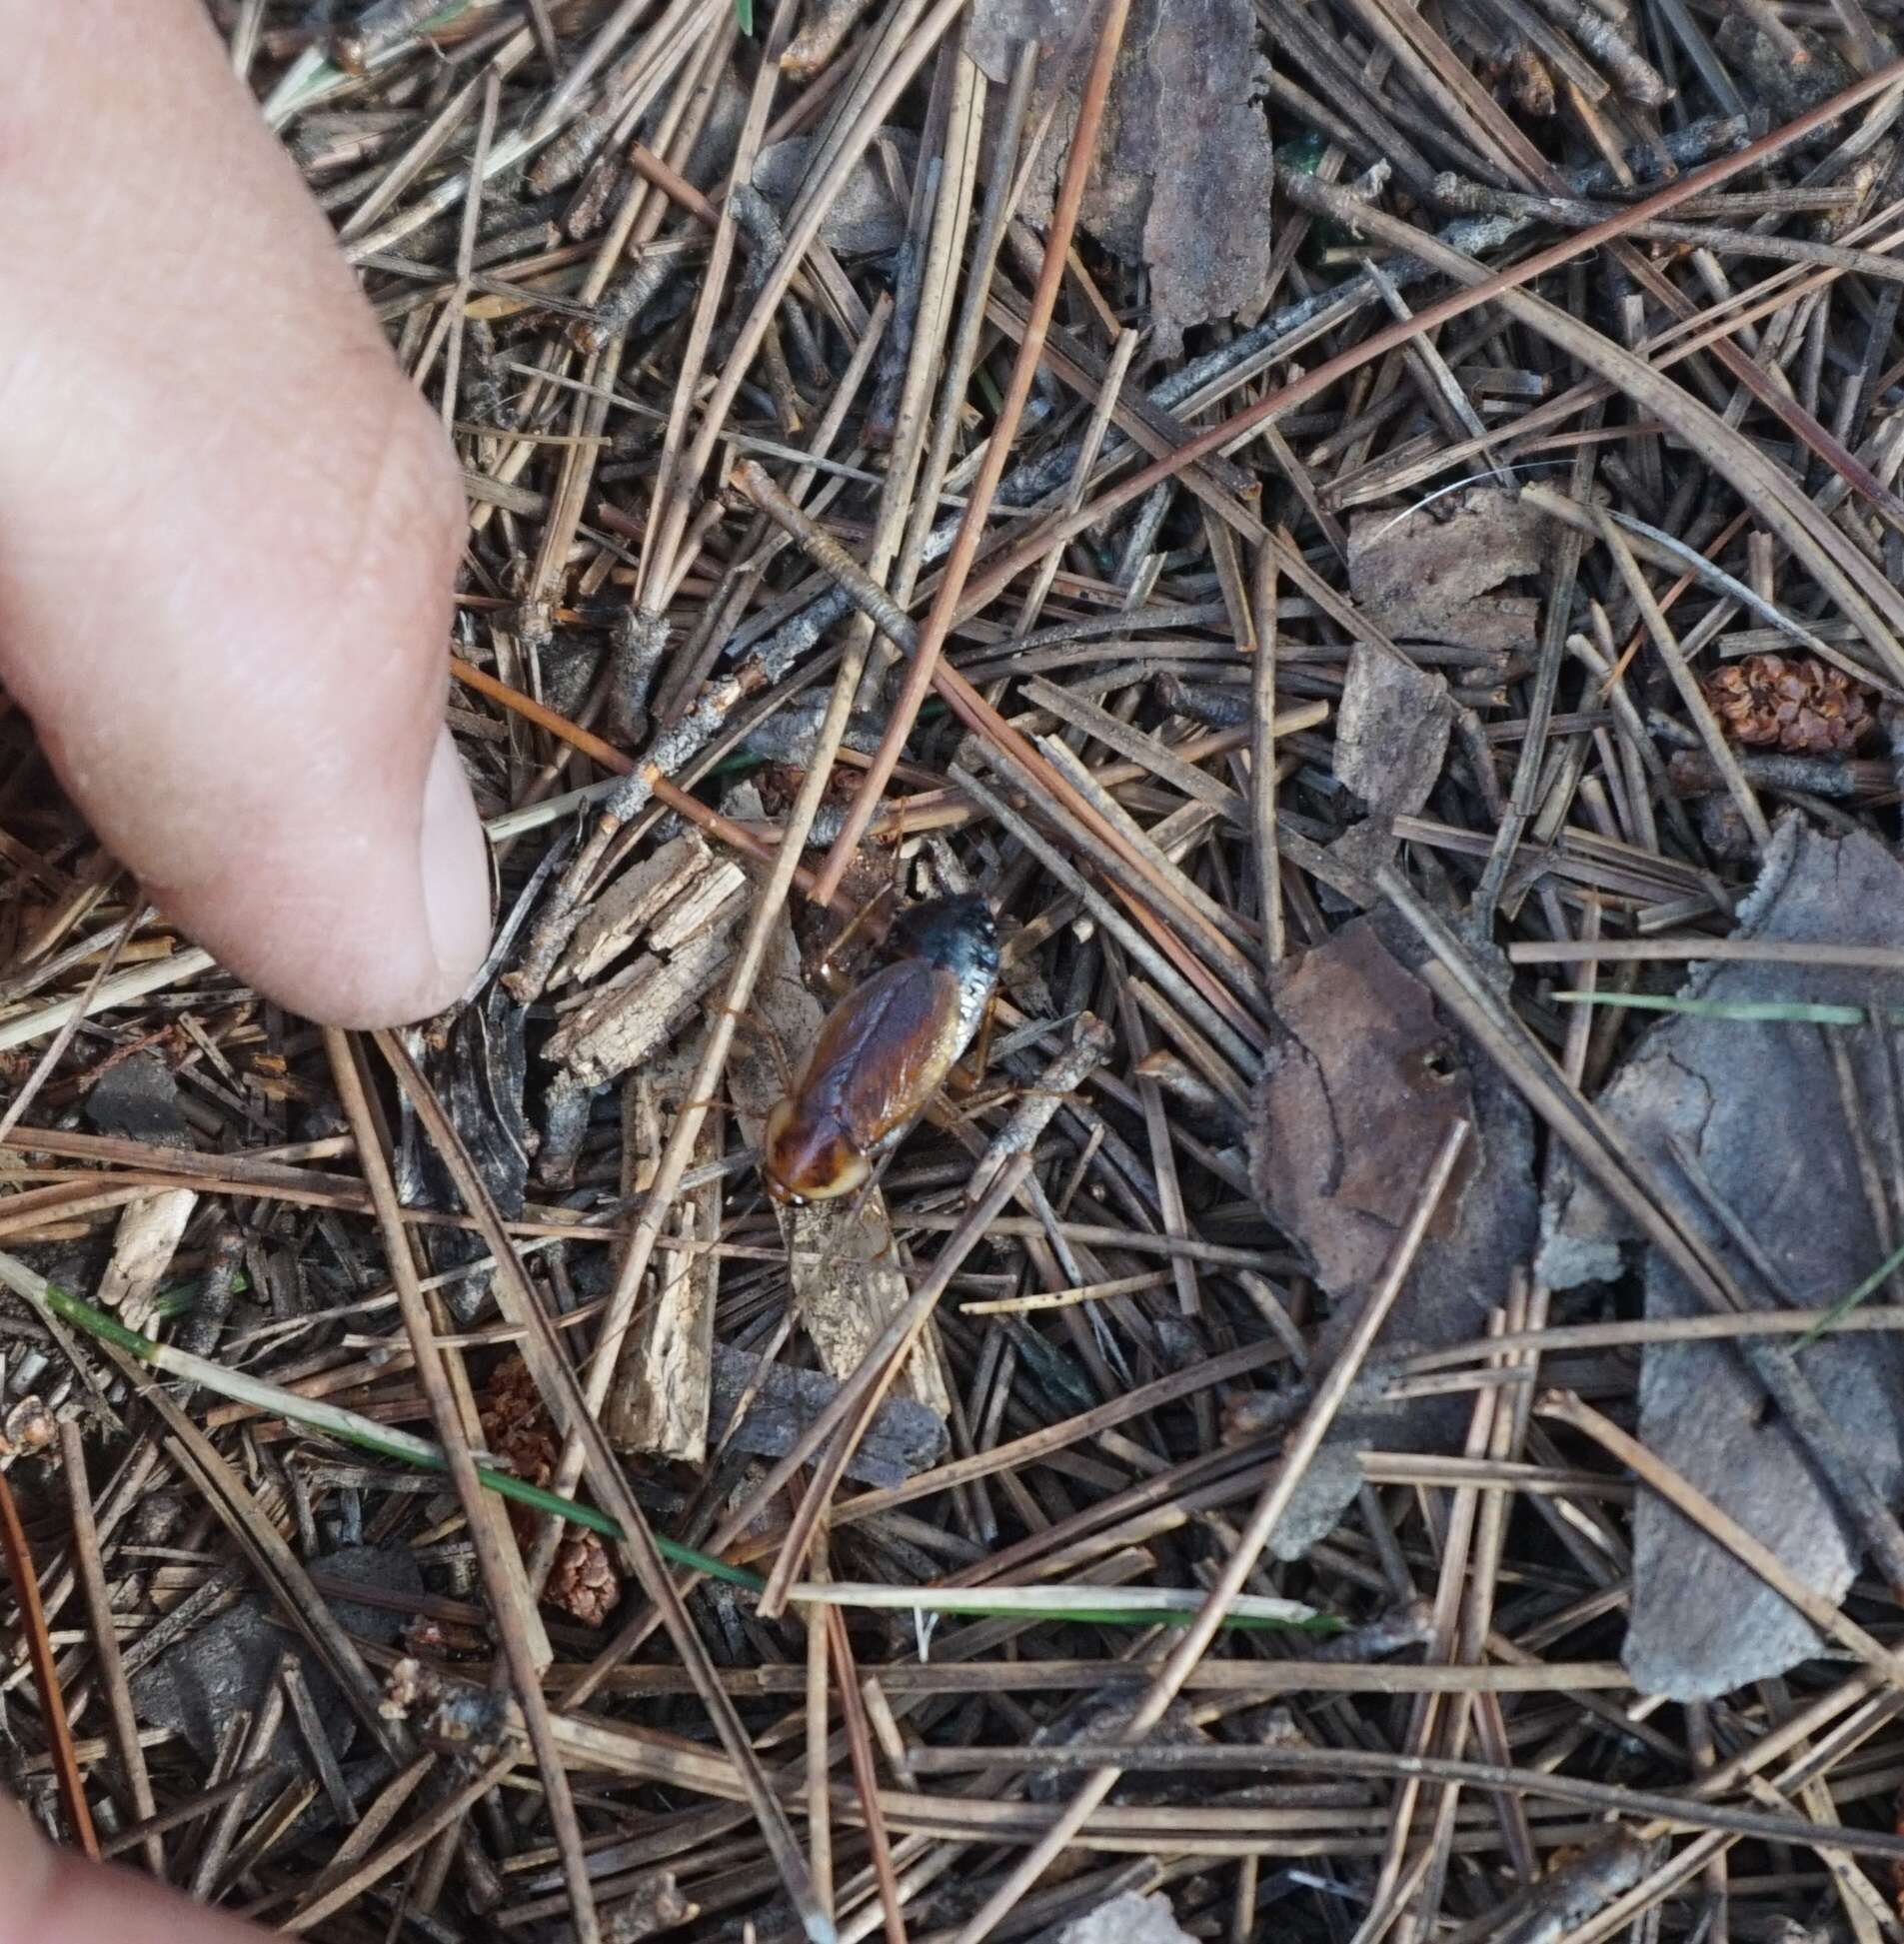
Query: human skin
[
  {"x": 228, "y": 528},
  {"x": 50, "y": 1896}
]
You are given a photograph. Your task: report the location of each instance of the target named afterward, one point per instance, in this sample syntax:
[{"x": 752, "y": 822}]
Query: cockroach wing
[{"x": 882, "y": 1051}]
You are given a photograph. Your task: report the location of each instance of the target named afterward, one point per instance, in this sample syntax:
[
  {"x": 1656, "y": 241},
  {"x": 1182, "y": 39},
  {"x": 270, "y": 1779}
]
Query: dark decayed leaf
[
  {"x": 902, "y": 1438},
  {"x": 201, "y": 1682},
  {"x": 1355, "y": 1099}
]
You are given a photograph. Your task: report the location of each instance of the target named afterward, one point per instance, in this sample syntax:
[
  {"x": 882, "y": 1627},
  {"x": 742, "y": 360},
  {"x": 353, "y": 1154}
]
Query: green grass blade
[
  {"x": 100, "y": 1323},
  {"x": 1788, "y": 1013},
  {"x": 1751, "y": 1012},
  {"x": 1850, "y": 1300}
]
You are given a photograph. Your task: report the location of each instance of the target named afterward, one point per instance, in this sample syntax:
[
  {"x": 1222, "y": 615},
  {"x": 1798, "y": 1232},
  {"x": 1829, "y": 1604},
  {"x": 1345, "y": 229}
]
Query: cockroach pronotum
[{"x": 883, "y": 1052}]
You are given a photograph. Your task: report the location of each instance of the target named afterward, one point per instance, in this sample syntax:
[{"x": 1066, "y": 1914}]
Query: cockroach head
[{"x": 803, "y": 1160}]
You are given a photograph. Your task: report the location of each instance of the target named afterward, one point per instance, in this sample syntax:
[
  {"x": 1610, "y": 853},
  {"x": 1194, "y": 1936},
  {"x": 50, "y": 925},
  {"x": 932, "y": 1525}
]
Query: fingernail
[
  {"x": 454, "y": 857},
  {"x": 26, "y": 1859}
]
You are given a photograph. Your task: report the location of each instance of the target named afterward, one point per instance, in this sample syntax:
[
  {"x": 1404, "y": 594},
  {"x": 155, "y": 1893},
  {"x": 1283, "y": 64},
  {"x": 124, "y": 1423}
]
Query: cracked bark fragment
[
  {"x": 1758, "y": 1105},
  {"x": 602, "y": 1039},
  {"x": 1391, "y": 738},
  {"x": 1431, "y": 574},
  {"x": 658, "y": 1402},
  {"x": 633, "y": 901},
  {"x": 1184, "y": 177}
]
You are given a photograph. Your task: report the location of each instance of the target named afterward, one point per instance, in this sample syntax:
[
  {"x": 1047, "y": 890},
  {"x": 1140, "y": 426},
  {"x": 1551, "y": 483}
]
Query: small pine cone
[
  {"x": 582, "y": 1582},
  {"x": 516, "y": 1427},
  {"x": 1799, "y": 705}
]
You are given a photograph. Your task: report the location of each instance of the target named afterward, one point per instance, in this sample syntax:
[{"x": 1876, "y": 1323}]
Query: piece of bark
[
  {"x": 618, "y": 917},
  {"x": 139, "y": 1101},
  {"x": 658, "y": 1400},
  {"x": 1758, "y": 1105},
  {"x": 1184, "y": 174},
  {"x": 1359, "y": 1089},
  {"x": 904, "y": 1438},
  {"x": 1391, "y": 738},
  {"x": 1391, "y": 732},
  {"x": 713, "y": 899},
  {"x": 848, "y": 1282},
  {"x": 601, "y": 1040},
  {"x": 148, "y": 1237},
  {"x": 1431, "y": 574}
]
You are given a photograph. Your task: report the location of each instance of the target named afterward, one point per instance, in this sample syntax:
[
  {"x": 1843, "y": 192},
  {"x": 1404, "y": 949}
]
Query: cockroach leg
[
  {"x": 968, "y": 1075},
  {"x": 886, "y": 903},
  {"x": 762, "y": 1029}
]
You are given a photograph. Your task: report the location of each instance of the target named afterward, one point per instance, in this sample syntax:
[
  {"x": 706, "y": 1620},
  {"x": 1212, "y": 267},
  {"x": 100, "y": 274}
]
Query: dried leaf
[
  {"x": 1702, "y": 1623},
  {"x": 1354, "y": 1101}
]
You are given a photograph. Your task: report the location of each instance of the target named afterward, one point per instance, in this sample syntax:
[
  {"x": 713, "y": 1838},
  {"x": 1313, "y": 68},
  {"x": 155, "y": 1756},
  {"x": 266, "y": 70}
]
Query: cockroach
[{"x": 883, "y": 1052}]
